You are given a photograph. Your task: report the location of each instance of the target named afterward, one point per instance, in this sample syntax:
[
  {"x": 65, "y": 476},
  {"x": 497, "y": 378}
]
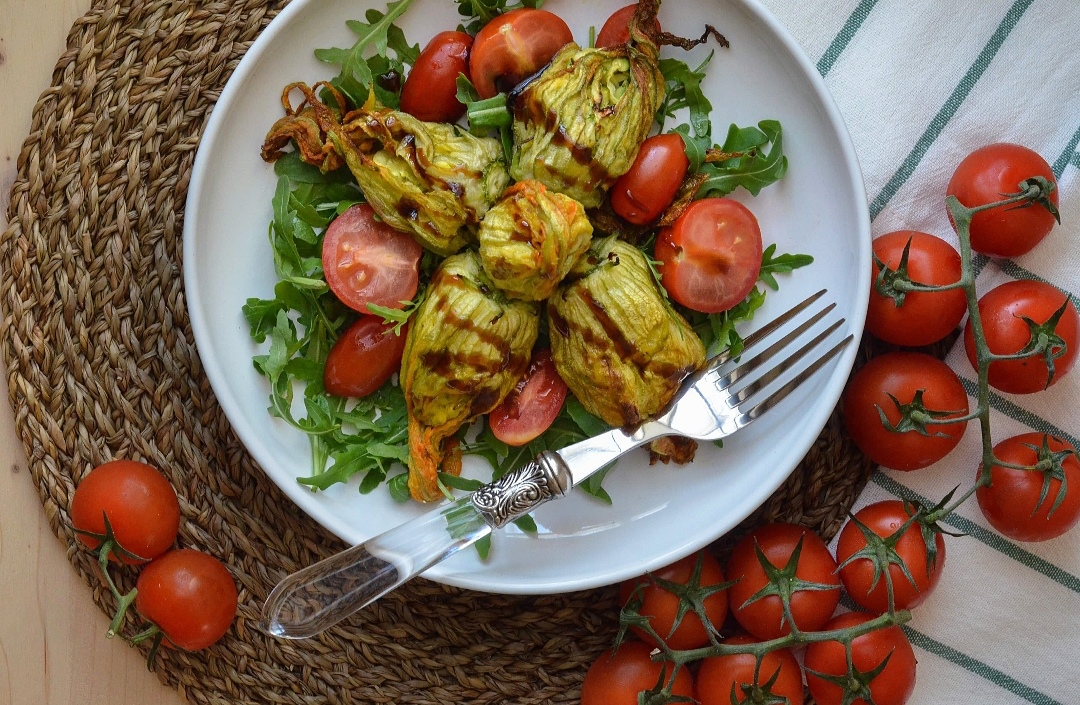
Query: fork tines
[{"x": 802, "y": 337}]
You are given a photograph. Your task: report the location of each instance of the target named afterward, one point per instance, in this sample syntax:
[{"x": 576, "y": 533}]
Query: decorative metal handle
[{"x": 518, "y": 492}]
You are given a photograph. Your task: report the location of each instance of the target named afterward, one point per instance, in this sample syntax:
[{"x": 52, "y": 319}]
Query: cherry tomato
[
  {"x": 989, "y": 174},
  {"x": 904, "y": 375},
  {"x": 810, "y": 608},
  {"x": 533, "y": 404},
  {"x": 616, "y": 678},
  {"x": 1003, "y": 310},
  {"x": 514, "y": 46},
  {"x": 430, "y": 91},
  {"x": 617, "y": 28},
  {"x": 1014, "y": 503},
  {"x": 661, "y": 605},
  {"x": 924, "y": 317},
  {"x": 189, "y": 595},
  {"x": 363, "y": 358},
  {"x": 884, "y": 519},
  {"x": 368, "y": 262},
  {"x": 892, "y": 686},
  {"x": 710, "y": 257},
  {"x": 141, "y": 505},
  {"x": 719, "y": 674},
  {"x": 643, "y": 193}
]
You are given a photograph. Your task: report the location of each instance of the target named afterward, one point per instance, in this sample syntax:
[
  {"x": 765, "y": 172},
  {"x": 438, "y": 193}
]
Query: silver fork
[{"x": 725, "y": 395}]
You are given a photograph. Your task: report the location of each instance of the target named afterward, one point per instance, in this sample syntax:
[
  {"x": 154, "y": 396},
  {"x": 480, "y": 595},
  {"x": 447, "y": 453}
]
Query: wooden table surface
[{"x": 53, "y": 649}]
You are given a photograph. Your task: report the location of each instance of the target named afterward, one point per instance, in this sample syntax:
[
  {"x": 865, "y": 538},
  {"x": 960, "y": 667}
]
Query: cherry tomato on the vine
[
  {"x": 363, "y": 358},
  {"x": 811, "y": 606},
  {"x": 189, "y": 595},
  {"x": 660, "y": 602},
  {"x": 988, "y": 175},
  {"x": 142, "y": 507},
  {"x": 1032, "y": 505},
  {"x": 616, "y": 677},
  {"x": 643, "y": 193},
  {"x": 430, "y": 91},
  {"x": 533, "y": 404},
  {"x": 368, "y": 262},
  {"x": 514, "y": 46},
  {"x": 923, "y": 317},
  {"x": 617, "y": 28},
  {"x": 884, "y": 519},
  {"x": 908, "y": 377},
  {"x": 718, "y": 675},
  {"x": 892, "y": 686},
  {"x": 710, "y": 257},
  {"x": 1003, "y": 310}
]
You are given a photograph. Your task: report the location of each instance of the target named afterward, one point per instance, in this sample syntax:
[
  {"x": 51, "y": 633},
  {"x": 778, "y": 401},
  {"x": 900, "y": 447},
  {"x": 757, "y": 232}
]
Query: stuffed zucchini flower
[
  {"x": 467, "y": 347},
  {"x": 531, "y": 238}
]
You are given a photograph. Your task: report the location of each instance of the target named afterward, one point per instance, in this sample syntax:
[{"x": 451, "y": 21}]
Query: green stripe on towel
[
  {"x": 843, "y": 38},
  {"x": 1018, "y": 413}
]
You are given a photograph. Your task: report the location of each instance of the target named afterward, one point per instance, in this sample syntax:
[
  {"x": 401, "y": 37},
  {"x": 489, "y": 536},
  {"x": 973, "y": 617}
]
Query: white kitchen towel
[{"x": 920, "y": 84}]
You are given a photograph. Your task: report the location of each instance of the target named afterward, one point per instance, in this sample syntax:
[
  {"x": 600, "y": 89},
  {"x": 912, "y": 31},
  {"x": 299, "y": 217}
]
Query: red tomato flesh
[
  {"x": 643, "y": 193},
  {"x": 430, "y": 91},
  {"x": 514, "y": 46},
  {"x": 532, "y": 406},
  {"x": 363, "y": 358},
  {"x": 711, "y": 257},
  {"x": 366, "y": 261},
  {"x": 617, "y": 28}
]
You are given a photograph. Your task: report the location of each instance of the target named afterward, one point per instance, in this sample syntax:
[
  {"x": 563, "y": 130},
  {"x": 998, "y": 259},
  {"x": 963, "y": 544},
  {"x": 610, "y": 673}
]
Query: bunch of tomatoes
[
  {"x": 905, "y": 409},
  {"x": 129, "y": 513}
]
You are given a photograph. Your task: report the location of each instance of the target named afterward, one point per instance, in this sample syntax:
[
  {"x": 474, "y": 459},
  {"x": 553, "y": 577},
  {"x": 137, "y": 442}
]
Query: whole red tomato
[
  {"x": 719, "y": 675},
  {"x": 660, "y": 600},
  {"x": 989, "y": 174},
  {"x": 1003, "y": 311},
  {"x": 892, "y": 686},
  {"x": 921, "y": 317},
  {"x": 1015, "y": 504},
  {"x": 811, "y": 606},
  {"x": 643, "y": 193},
  {"x": 905, "y": 376},
  {"x": 884, "y": 519},
  {"x": 616, "y": 677},
  {"x": 514, "y": 46},
  {"x": 430, "y": 91},
  {"x": 140, "y": 503},
  {"x": 189, "y": 595},
  {"x": 366, "y": 355}
]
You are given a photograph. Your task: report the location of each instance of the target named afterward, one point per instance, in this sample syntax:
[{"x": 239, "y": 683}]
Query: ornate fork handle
[{"x": 518, "y": 492}]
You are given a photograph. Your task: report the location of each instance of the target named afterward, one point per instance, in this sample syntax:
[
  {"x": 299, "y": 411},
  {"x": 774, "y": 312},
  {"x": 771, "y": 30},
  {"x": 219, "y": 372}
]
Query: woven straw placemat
[{"x": 102, "y": 364}]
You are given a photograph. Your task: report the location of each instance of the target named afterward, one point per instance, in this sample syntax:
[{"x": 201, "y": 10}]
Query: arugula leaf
[
  {"x": 359, "y": 72},
  {"x": 684, "y": 92},
  {"x": 781, "y": 264},
  {"x": 486, "y": 115},
  {"x": 484, "y": 11},
  {"x": 752, "y": 166}
]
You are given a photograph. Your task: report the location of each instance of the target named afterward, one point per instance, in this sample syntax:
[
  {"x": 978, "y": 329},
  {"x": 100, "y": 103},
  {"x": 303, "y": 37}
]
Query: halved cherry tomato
[
  {"x": 533, "y": 404},
  {"x": 363, "y": 358},
  {"x": 514, "y": 46},
  {"x": 1003, "y": 310},
  {"x": 719, "y": 676},
  {"x": 924, "y": 317},
  {"x": 189, "y": 595},
  {"x": 1015, "y": 504},
  {"x": 617, "y": 28},
  {"x": 989, "y": 174},
  {"x": 617, "y": 676},
  {"x": 643, "y": 193},
  {"x": 366, "y": 261},
  {"x": 141, "y": 505},
  {"x": 892, "y": 686},
  {"x": 711, "y": 257},
  {"x": 811, "y": 605},
  {"x": 430, "y": 91},
  {"x": 885, "y": 519},
  {"x": 660, "y": 603}
]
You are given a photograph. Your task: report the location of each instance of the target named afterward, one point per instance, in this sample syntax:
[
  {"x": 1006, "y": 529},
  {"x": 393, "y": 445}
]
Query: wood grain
[{"x": 53, "y": 649}]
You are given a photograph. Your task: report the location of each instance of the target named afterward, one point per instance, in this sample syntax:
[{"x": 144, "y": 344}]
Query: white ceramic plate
[{"x": 659, "y": 513}]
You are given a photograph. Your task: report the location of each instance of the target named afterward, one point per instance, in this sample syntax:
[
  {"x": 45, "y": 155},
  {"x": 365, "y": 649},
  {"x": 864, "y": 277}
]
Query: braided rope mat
[{"x": 102, "y": 363}]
